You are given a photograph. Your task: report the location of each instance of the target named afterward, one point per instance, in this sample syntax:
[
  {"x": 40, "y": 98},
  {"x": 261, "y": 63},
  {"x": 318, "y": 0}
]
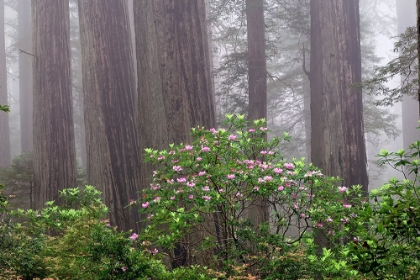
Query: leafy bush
[{"x": 202, "y": 195}]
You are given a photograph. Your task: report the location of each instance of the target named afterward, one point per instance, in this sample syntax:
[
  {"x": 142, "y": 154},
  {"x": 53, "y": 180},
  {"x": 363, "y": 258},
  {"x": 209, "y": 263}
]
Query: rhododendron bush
[{"x": 202, "y": 195}]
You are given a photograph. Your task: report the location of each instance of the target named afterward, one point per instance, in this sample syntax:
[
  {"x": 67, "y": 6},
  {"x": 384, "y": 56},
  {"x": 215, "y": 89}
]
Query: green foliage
[
  {"x": 4, "y": 108},
  {"x": 214, "y": 181},
  {"x": 389, "y": 229},
  {"x": 405, "y": 65}
]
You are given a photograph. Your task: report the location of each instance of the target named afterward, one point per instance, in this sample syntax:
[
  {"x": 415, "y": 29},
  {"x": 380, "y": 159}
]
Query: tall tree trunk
[
  {"x": 54, "y": 148},
  {"x": 337, "y": 139},
  {"x": 5, "y": 153},
  {"x": 25, "y": 75},
  {"x": 175, "y": 87},
  {"x": 418, "y": 50},
  {"x": 257, "y": 83},
  {"x": 109, "y": 88}
]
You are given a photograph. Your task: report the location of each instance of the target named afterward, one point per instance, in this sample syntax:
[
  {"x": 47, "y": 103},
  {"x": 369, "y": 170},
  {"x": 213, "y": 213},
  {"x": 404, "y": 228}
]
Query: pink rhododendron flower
[
  {"x": 123, "y": 268},
  {"x": 256, "y": 188},
  {"x": 347, "y": 205},
  {"x": 205, "y": 149},
  {"x": 271, "y": 153},
  {"x": 206, "y": 188},
  {"x": 296, "y": 206},
  {"x": 261, "y": 180},
  {"x": 177, "y": 168},
  {"x": 342, "y": 189},
  {"x": 238, "y": 194},
  {"x": 206, "y": 197},
  {"x": 199, "y": 159},
  {"x": 319, "y": 224},
  {"x": 161, "y": 157},
  {"x": 145, "y": 205},
  {"x": 157, "y": 199},
  {"x": 172, "y": 197},
  {"x": 201, "y": 173},
  {"x": 303, "y": 216},
  {"x": 134, "y": 236},
  {"x": 221, "y": 190},
  {"x": 289, "y": 166},
  {"x": 212, "y": 130},
  {"x": 263, "y": 152},
  {"x": 263, "y": 128},
  {"x": 191, "y": 196},
  {"x": 232, "y": 137},
  {"x": 155, "y": 251},
  {"x": 181, "y": 180},
  {"x": 251, "y": 130},
  {"x": 280, "y": 188},
  {"x": 278, "y": 170},
  {"x": 268, "y": 178},
  {"x": 231, "y": 176},
  {"x": 190, "y": 184},
  {"x": 329, "y": 220},
  {"x": 188, "y": 148}
]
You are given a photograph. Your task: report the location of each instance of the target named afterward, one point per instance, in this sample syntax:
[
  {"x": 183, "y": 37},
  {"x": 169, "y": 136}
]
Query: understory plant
[{"x": 203, "y": 197}]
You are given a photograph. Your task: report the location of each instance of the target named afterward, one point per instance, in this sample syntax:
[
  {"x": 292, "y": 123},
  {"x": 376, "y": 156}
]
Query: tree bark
[
  {"x": 257, "y": 87},
  {"x": 338, "y": 143},
  {"x": 25, "y": 75},
  {"x": 54, "y": 146},
  {"x": 418, "y": 50},
  {"x": 5, "y": 153},
  {"x": 175, "y": 86},
  {"x": 109, "y": 88}
]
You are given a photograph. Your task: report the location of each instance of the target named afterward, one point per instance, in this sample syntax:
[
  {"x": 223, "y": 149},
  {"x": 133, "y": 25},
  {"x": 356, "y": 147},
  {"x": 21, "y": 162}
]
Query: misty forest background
[{"x": 92, "y": 84}]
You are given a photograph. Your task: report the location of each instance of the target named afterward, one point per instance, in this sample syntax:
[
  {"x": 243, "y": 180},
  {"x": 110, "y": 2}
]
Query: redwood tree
[
  {"x": 5, "y": 155},
  {"x": 175, "y": 85},
  {"x": 109, "y": 88},
  {"x": 25, "y": 74},
  {"x": 54, "y": 148},
  {"x": 338, "y": 143}
]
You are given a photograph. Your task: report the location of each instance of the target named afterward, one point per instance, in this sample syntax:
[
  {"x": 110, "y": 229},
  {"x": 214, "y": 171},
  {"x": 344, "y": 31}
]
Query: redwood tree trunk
[
  {"x": 175, "y": 86},
  {"x": 25, "y": 75},
  {"x": 257, "y": 83},
  {"x": 5, "y": 154},
  {"x": 109, "y": 88},
  {"x": 338, "y": 143},
  {"x": 54, "y": 146}
]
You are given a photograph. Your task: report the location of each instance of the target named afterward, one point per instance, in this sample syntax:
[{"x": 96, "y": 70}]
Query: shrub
[{"x": 201, "y": 193}]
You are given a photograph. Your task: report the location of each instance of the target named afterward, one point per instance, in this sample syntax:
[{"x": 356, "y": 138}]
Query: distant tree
[
  {"x": 338, "y": 143},
  {"x": 54, "y": 148},
  {"x": 108, "y": 90},
  {"x": 5, "y": 154},
  {"x": 24, "y": 44},
  {"x": 175, "y": 84}
]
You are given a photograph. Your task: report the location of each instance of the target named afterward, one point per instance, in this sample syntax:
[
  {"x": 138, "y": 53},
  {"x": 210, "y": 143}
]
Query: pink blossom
[
  {"x": 201, "y": 173},
  {"x": 155, "y": 251},
  {"x": 157, "y": 199},
  {"x": 172, "y": 152},
  {"x": 303, "y": 216},
  {"x": 319, "y": 224},
  {"x": 205, "y": 149},
  {"x": 278, "y": 170},
  {"x": 145, "y": 205},
  {"x": 289, "y": 165},
  {"x": 238, "y": 194},
  {"x": 181, "y": 180},
  {"x": 280, "y": 188},
  {"x": 170, "y": 182},
  {"x": 232, "y": 137},
  {"x": 154, "y": 187},
  {"x": 177, "y": 168},
  {"x": 263, "y": 166},
  {"x": 347, "y": 206},
  {"x": 251, "y": 130},
  {"x": 206, "y": 188},
  {"x": 271, "y": 153},
  {"x": 191, "y": 196},
  {"x": 263, "y": 128},
  {"x": 329, "y": 220},
  {"x": 263, "y": 152},
  {"x": 134, "y": 236},
  {"x": 188, "y": 148},
  {"x": 123, "y": 268},
  {"x": 268, "y": 178},
  {"x": 172, "y": 197},
  {"x": 256, "y": 188},
  {"x": 161, "y": 157},
  {"x": 212, "y": 130},
  {"x": 261, "y": 180},
  {"x": 190, "y": 184},
  {"x": 342, "y": 189},
  {"x": 331, "y": 232},
  {"x": 231, "y": 176},
  {"x": 221, "y": 190},
  {"x": 296, "y": 205},
  {"x": 345, "y": 220},
  {"x": 199, "y": 159},
  {"x": 206, "y": 197}
]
